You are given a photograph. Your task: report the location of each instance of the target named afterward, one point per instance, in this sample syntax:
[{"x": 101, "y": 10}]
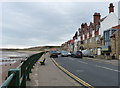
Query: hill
[{"x": 38, "y": 48}]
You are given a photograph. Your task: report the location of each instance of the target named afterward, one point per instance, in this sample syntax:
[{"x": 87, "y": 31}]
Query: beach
[
  {"x": 11, "y": 60},
  {"x": 5, "y": 68}
]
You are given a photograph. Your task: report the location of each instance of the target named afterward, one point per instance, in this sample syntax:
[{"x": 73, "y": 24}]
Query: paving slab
[{"x": 49, "y": 75}]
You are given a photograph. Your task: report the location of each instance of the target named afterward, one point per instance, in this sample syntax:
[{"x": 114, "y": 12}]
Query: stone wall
[{"x": 115, "y": 44}]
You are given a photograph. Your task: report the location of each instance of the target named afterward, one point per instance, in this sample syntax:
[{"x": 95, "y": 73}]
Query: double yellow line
[{"x": 73, "y": 76}]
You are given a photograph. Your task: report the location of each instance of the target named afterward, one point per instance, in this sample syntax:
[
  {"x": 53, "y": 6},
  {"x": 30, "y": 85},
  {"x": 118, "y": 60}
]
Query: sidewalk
[{"x": 49, "y": 75}]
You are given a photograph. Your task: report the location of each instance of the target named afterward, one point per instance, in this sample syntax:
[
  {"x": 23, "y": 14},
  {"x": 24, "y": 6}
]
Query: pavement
[{"x": 49, "y": 75}]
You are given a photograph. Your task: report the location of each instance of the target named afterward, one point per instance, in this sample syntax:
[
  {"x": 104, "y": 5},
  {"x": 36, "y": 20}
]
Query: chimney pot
[
  {"x": 96, "y": 17},
  {"x": 82, "y": 25},
  {"x": 111, "y": 8}
]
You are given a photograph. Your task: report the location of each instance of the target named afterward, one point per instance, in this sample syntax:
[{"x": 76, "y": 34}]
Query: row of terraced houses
[{"x": 101, "y": 37}]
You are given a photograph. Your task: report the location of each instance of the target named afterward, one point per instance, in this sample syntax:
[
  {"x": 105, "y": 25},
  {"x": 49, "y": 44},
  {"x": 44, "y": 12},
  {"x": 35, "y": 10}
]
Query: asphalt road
[{"x": 95, "y": 73}]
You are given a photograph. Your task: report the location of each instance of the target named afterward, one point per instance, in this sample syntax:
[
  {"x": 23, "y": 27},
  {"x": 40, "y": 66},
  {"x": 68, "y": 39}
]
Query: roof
[
  {"x": 102, "y": 19},
  {"x": 71, "y": 41},
  {"x": 116, "y": 27}
]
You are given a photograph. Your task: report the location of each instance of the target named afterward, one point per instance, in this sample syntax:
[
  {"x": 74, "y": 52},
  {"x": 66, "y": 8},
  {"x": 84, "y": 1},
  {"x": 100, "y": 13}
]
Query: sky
[{"x": 29, "y": 24}]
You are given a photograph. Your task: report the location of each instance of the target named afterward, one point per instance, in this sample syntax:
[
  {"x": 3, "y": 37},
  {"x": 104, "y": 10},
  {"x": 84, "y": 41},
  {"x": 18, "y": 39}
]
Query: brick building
[{"x": 90, "y": 36}]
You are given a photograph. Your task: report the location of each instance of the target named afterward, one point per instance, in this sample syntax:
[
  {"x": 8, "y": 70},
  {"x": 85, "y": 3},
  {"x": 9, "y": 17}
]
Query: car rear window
[{"x": 78, "y": 52}]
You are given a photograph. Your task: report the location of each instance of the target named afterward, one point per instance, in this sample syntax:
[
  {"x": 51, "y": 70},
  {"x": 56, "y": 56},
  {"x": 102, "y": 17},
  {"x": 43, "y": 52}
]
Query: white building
[{"x": 109, "y": 21}]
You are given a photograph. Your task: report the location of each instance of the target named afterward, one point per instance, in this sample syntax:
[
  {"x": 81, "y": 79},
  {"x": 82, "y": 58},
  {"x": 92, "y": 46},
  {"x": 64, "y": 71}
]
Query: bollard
[{"x": 16, "y": 78}]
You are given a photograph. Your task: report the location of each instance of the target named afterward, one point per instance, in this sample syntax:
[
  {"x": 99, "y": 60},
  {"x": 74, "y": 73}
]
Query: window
[
  {"x": 87, "y": 35},
  {"x": 93, "y": 33},
  {"x": 96, "y": 39},
  {"x": 83, "y": 36},
  {"x": 90, "y": 40},
  {"x": 107, "y": 35},
  {"x": 97, "y": 27},
  {"x": 79, "y": 38},
  {"x": 91, "y": 29}
]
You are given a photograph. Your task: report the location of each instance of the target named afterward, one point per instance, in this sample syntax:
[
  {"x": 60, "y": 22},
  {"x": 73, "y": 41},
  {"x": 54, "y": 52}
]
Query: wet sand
[{"x": 5, "y": 68}]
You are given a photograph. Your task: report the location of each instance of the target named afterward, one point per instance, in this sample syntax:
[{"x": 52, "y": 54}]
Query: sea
[{"x": 11, "y": 56}]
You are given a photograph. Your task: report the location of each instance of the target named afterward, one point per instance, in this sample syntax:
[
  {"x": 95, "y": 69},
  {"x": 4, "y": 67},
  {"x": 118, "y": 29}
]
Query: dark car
[
  {"x": 53, "y": 54},
  {"x": 77, "y": 54}
]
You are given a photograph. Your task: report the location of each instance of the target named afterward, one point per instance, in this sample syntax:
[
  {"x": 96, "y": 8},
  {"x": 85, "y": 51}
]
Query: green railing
[{"x": 17, "y": 77}]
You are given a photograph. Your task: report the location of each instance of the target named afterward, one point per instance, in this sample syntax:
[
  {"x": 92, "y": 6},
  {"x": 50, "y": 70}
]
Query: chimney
[
  {"x": 96, "y": 18},
  {"x": 111, "y": 8},
  {"x": 82, "y": 25},
  {"x": 85, "y": 25}
]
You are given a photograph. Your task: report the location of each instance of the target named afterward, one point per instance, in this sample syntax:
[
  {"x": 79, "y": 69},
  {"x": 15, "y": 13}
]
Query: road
[{"x": 93, "y": 72}]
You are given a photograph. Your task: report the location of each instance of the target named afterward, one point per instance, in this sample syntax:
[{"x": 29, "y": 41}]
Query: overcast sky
[{"x": 26, "y": 24}]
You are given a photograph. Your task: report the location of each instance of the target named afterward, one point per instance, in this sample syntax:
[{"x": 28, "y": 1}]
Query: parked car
[
  {"x": 69, "y": 54},
  {"x": 87, "y": 53},
  {"x": 77, "y": 54},
  {"x": 65, "y": 54},
  {"x": 58, "y": 52},
  {"x": 53, "y": 54}
]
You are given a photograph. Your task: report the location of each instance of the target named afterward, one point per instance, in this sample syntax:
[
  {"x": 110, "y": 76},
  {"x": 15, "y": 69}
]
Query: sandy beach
[
  {"x": 12, "y": 65},
  {"x": 5, "y": 68}
]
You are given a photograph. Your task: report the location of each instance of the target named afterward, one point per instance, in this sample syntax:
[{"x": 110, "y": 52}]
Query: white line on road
[
  {"x": 107, "y": 68},
  {"x": 82, "y": 62}
]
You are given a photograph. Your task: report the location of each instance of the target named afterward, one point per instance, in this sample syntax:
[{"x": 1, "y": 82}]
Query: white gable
[{"x": 110, "y": 21}]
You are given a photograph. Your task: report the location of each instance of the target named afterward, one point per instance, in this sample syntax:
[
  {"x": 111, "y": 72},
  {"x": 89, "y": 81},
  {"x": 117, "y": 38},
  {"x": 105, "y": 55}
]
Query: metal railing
[{"x": 17, "y": 77}]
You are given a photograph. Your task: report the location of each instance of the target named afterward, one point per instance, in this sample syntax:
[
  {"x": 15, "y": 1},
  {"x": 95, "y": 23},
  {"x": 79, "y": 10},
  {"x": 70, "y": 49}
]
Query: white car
[{"x": 65, "y": 54}]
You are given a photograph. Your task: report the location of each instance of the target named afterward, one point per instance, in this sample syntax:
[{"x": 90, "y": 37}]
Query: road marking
[
  {"x": 82, "y": 62},
  {"x": 107, "y": 68},
  {"x": 72, "y": 75}
]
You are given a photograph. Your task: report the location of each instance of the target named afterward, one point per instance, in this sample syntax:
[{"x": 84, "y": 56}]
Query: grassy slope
[{"x": 39, "y": 48}]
